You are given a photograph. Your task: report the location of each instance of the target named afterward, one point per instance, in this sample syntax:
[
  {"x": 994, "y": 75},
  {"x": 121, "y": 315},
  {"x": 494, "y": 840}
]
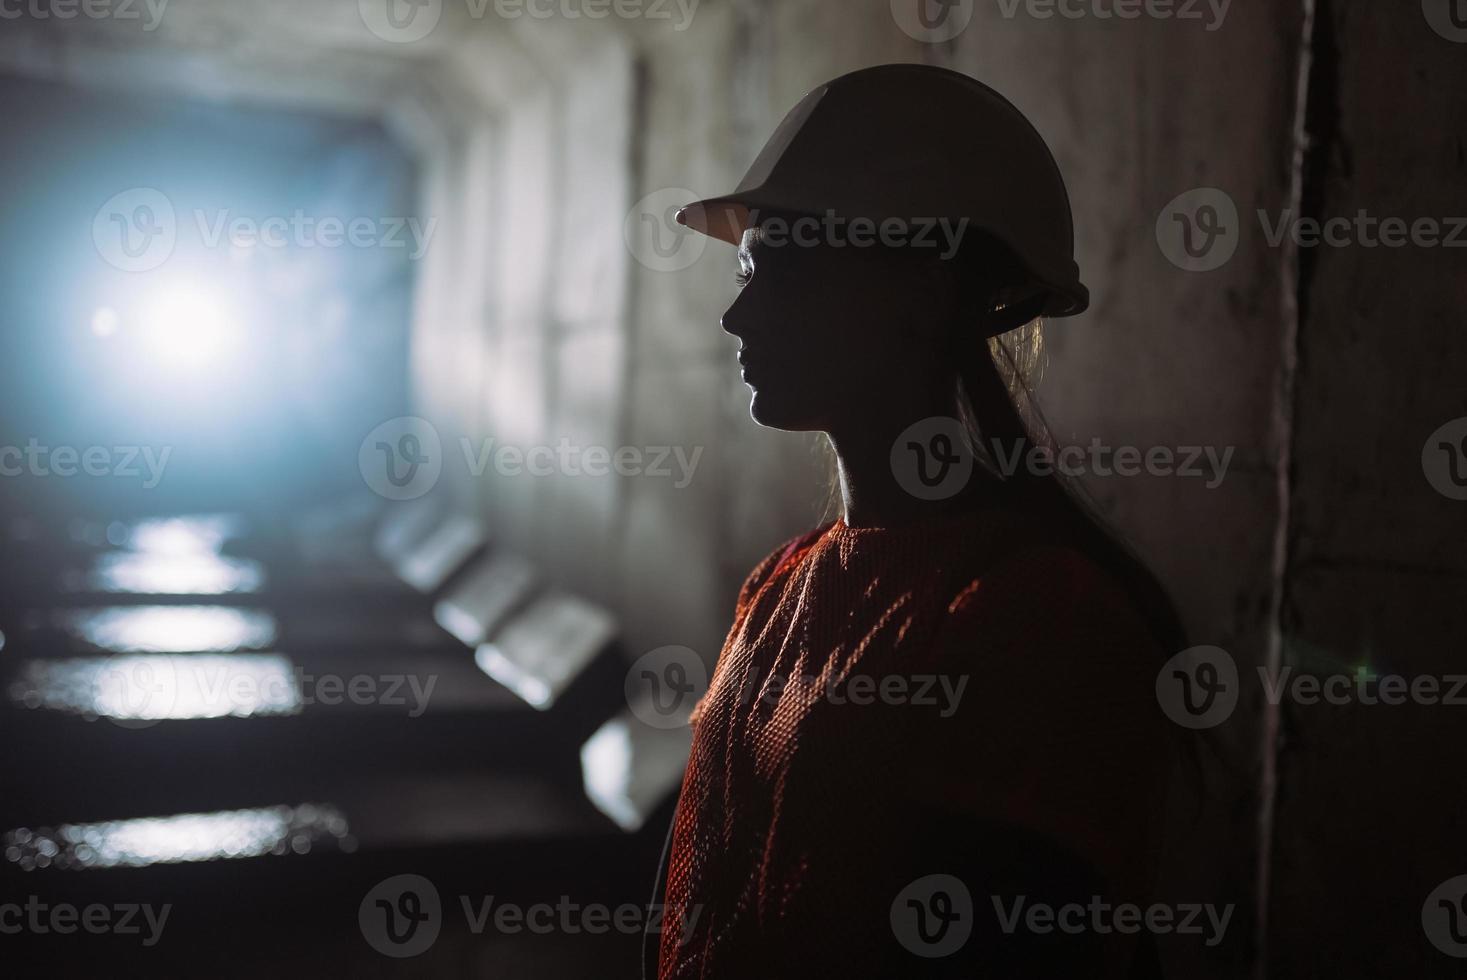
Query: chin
[{"x": 773, "y": 412}]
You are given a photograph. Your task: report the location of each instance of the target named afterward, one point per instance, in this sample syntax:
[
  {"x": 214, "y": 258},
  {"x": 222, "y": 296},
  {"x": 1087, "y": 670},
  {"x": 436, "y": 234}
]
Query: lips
[{"x": 757, "y": 364}]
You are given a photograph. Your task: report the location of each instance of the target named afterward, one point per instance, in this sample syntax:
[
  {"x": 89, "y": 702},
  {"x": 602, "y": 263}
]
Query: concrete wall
[
  {"x": 1171, "y": 357},
  {"x": 1370, "y": 814}
]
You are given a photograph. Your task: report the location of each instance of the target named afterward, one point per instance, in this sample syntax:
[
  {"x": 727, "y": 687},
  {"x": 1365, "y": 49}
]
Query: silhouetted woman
[{"x": 935, "y": 715}]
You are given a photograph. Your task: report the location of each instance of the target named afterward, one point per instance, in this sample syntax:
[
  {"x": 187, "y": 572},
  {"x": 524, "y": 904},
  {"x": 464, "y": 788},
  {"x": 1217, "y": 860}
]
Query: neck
[{"x": 872, "y": 492}]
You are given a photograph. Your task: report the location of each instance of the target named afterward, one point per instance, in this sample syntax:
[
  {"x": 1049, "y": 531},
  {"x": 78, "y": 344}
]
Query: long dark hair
[
  {"x": 998, "y": 370},
  {"x": 998, "y": 347}
]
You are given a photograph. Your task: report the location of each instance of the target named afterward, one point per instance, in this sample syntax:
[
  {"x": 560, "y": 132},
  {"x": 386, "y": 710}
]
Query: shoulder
[
  {"x": 775, "y": 564},
  {"x": 1053, "y": 575},
  {"x": 1053, "y": 608},
  {"x": 1059, "y": 729}
]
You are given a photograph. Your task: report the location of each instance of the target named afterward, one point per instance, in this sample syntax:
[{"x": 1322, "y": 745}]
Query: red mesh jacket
[{"x": 962, "y": 696}]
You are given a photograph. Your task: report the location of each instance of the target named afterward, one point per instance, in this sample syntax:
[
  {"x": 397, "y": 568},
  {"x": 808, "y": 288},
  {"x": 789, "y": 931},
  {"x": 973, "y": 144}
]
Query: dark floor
[{"x": 175, "y": 741}]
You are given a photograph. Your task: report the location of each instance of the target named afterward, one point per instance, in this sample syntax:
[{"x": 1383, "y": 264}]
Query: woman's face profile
[{"x": 831, "y": 331}]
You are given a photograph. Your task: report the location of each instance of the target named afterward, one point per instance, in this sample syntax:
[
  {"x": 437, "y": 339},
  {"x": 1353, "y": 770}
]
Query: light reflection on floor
[
  {"x": 177, "y": 535},
  {"x": 181, "y": 838},
  {"x": 170, "y": 629},
  {"x": 147, "y": 573},
  {"x": 157, "y": 687}
]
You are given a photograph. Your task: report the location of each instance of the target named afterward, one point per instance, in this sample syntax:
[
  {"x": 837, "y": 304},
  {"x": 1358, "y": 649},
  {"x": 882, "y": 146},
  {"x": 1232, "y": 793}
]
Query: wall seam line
[{"x": 1282, "y": 435}]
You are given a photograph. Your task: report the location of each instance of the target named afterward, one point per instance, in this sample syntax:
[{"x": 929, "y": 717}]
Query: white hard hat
[{"x": 913, "y": 143}]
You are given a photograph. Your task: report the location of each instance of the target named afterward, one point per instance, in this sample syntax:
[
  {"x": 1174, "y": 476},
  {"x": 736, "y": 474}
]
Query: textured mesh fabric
[{"x": 1010, "y": 686}]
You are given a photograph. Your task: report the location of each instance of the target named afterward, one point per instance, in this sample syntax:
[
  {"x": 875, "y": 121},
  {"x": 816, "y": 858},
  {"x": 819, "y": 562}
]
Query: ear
[{"x": 943, "y": 297}]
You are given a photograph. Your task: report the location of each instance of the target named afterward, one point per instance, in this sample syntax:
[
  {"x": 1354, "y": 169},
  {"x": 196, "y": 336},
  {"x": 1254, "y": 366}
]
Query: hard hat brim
[{"x": 726, "y": 218}]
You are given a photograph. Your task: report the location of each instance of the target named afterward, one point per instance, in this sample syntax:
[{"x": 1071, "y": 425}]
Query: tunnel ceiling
[{"x": 309, "y": 54}]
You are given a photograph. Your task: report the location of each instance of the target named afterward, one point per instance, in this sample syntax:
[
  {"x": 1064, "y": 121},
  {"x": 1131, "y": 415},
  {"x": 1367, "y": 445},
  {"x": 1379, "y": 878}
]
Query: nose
[{"x": 735, "y": 319}]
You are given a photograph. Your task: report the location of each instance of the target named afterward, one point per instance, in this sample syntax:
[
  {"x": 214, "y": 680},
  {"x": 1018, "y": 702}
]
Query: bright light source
[
  {"x": 189, "y": 327},
  {"x": 105, "y": 321}
]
